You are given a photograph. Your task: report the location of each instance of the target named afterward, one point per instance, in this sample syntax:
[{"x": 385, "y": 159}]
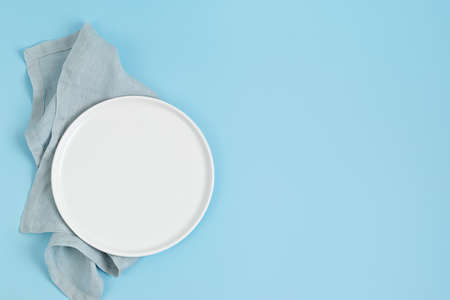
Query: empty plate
[{"x": 132, "y": 176}]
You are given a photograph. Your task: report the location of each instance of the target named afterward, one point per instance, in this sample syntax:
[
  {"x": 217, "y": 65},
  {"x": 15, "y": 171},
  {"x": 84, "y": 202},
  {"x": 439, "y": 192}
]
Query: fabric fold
[{"x": 68, "y": 76}]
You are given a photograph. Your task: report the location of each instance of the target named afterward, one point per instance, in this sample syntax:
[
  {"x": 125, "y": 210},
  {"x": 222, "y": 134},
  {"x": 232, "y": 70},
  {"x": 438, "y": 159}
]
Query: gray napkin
[{"x": 68, "y": 76}]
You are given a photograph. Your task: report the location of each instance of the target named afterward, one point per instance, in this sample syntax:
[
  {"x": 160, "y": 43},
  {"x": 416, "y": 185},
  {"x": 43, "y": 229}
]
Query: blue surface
[{"x": 329, "y": 124}]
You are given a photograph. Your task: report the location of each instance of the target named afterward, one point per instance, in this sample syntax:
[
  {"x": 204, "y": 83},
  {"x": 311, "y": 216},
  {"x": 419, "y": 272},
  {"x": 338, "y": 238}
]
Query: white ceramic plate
[{"x": 132, "y": 176}]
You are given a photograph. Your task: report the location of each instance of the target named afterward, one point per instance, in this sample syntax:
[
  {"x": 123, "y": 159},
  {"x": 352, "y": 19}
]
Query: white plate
[{"x": 132, "y": 176}]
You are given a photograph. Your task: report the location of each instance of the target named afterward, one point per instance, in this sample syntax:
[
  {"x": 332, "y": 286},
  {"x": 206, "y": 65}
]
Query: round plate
[{"x": 132, "y": 176}]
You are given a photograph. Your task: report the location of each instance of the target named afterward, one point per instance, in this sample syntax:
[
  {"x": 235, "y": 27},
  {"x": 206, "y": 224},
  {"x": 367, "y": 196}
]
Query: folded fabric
[{"x": 68, "y": 76}]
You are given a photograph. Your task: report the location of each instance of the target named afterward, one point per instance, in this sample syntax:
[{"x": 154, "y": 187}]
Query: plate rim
[{"x": 59, "y": 153}]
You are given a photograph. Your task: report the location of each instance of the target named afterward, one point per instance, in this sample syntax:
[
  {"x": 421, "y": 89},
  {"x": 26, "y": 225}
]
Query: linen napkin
[{"x": 68, "y": 76}]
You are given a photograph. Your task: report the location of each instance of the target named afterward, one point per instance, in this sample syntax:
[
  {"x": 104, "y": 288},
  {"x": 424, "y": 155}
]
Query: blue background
[{"x": 329, "y": 125}]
